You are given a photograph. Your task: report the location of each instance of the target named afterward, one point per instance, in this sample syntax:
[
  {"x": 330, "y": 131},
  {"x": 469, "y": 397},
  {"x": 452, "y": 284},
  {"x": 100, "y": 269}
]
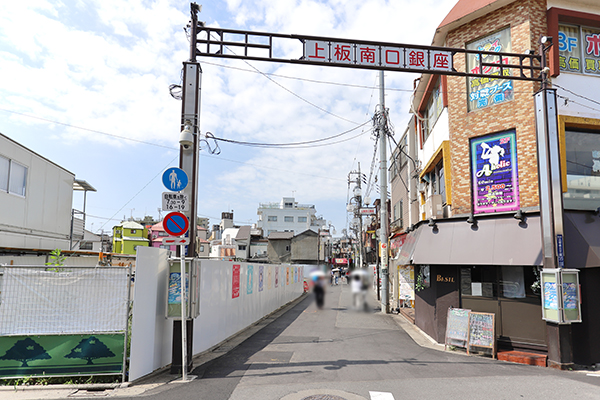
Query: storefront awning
[
  {"x": 492, "y": 241},
  {"x": 408, "y": 247},
  {"x": 582, "y": 239}
]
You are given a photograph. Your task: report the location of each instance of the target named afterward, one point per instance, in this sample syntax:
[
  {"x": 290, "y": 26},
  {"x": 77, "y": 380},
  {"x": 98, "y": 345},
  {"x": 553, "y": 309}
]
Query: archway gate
[{"x": 388, "y": 56}]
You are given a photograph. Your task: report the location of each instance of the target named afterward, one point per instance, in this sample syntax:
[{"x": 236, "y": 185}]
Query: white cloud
[{"x": 106, "y": 65}]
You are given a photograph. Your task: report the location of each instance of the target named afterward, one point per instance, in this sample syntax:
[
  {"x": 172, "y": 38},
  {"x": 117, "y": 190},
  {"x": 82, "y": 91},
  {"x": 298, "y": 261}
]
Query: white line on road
[{"x": 381, "y": 396}]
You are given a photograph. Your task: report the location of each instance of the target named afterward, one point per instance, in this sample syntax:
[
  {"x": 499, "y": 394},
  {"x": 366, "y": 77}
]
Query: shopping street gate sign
[{"x": 335, "y": 52}]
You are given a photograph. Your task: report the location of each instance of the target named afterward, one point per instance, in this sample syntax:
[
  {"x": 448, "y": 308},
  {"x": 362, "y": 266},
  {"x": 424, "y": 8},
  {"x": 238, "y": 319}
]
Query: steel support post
[{"x": 559, "y": 338}]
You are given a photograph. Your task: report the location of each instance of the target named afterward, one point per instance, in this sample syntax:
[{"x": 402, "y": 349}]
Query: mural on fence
[{"x": 52, "y": 355}]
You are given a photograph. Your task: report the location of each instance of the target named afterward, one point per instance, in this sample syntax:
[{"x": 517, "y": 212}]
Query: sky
[{"x": 85, "y": 84}]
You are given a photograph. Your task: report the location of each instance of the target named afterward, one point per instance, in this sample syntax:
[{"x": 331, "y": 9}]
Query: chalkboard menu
[
  {"x": 457, "y": 327},
  {"x": 482, "y": 331}
]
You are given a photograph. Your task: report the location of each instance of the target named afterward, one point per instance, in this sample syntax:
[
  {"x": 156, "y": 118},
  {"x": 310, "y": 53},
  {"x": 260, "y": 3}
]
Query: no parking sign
[{"x": 176, "y": 224}]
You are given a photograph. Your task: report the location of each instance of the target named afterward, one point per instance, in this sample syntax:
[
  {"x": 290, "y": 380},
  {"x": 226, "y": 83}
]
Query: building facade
[
  {"x": 475, "y": 240},
  {"x": 36, "y": 198},
  {"x": 288, "y": 216},
  {"x": 128, "y": 236}
]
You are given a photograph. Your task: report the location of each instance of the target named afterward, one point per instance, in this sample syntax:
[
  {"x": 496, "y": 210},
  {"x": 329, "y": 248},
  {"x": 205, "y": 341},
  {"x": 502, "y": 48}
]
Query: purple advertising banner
[{"x": 494, "y": 173}]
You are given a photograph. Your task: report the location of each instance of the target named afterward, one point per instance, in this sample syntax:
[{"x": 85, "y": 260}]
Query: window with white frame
[
  {"x": 13, "y": 176},
  {"x": 301, "y": 219},
  {"x": 288, "y": 219},
  {"x": 272, "y": 218}
]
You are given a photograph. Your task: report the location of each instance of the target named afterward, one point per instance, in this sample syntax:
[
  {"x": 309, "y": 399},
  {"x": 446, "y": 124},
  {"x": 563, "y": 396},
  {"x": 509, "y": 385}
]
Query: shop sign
[
  {"x": 494, "y": 173},
  {"x": 579, "y": 49},
  {"x": 484, "y": 92}
]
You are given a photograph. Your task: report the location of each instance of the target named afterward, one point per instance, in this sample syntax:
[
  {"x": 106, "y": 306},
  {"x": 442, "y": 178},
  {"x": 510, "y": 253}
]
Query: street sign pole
[{"x": 183, "y": 317}]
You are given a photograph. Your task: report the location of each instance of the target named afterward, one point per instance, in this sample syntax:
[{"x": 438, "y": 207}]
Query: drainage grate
[{"x": 323, "y": 397}]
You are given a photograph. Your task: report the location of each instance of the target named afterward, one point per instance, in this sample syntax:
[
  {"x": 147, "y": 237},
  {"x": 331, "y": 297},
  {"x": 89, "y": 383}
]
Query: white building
[
  {"x": 288, "y": 216},
  {"x": 36, "y": 196}
]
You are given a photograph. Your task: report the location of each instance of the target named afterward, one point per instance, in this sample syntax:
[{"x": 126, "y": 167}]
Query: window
[
  {"x": 201, "y": 248},
  {"x": 289, "y": 205},
  {"x": 133, "y": 231},
  {"x": 287, "y": 248},
  {"x": 301, "y": 219},
  {"x": 13, "y": 176},
  {"x": 479, "y": 281},
  {"x": 583, "y": 170},
  {"x": 398, "y": 212},
  {"x": 242, "y": 247},
  {"x": 272, "y": 218},
  {"x": 86, "y": 246},
  {"x": 579, "y": 49},
  {"x": 399, "y": 158},
  {"x": 437, "y": 181},
  {"x": 505, "y": 282},
  {"x": 288, "y": 219},
  {"x": 433, "y": 111}
]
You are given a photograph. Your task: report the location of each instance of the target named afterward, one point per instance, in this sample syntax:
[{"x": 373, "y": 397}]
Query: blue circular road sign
[
  {"x": 175, "y": 179},
  {"x": 176, "y": 224}
]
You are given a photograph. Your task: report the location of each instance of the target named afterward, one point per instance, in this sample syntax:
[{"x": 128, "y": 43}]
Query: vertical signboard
[
  {"x": 494, "y": 173},
  {"x": 235, "y": 283},
  {"x": 484, "y": 92},
  {"x": 250, "y": 280},
  {"x": 261, "y": 278}
]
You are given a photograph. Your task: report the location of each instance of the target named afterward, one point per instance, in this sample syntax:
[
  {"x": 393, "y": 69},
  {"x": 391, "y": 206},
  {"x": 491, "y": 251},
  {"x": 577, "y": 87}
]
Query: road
[{"x": 337, "y": 353}]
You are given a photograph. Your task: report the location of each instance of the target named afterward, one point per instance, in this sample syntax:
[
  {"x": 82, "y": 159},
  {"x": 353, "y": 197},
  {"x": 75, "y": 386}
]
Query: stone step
[{"x": 522, "y": 357}]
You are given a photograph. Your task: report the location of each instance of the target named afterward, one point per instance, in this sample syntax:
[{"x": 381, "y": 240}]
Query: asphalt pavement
[{"x": 339, "y": 353}]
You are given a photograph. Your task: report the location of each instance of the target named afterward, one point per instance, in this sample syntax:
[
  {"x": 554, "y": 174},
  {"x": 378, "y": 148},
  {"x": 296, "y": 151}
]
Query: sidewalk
[{"x": 337, "y": 310}]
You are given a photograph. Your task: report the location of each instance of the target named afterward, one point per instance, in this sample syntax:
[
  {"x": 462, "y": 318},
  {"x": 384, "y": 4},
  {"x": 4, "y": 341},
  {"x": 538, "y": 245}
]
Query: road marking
[{"x": 381, "y": 396}]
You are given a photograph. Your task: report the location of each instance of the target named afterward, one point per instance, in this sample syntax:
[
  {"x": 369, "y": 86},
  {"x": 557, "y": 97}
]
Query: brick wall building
[{"x": 475, "y": 242}]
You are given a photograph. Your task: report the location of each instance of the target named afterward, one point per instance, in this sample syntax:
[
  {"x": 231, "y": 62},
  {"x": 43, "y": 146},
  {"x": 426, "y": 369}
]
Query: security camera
[{"x": 186, "y": 139}]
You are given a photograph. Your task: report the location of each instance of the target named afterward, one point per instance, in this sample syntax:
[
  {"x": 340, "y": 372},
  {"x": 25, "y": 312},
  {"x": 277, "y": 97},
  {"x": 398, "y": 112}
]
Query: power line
[
  {"x": 576, "y": 94},
  {"x": 292, "y": 145},
  {"x": 254, "y": 144},
  {"x": 291, "y": 92}
]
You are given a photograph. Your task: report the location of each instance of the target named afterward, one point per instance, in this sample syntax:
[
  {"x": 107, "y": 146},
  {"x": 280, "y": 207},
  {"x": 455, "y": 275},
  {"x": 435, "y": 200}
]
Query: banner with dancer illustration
[{"x": 494, "y": 173}]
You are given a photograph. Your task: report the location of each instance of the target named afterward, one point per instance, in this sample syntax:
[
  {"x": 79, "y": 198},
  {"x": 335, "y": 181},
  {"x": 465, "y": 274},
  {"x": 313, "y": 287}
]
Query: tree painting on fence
[
  {"x": 90, "y": 349},
  {"x": 26, "y": 350}
]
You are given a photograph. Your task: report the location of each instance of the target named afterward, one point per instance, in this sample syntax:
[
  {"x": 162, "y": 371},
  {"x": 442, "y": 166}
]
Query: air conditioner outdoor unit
[{"x": 433, "y": 207}]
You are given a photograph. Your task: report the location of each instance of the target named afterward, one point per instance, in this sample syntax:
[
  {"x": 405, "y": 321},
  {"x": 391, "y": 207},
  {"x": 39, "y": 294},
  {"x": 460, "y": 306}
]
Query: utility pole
[
  {"x": 183, "y": 330},
  {"x": 383, "y": 236},
  {"x": 357, "y": 197},
  {"x": 359, "y": 215}
]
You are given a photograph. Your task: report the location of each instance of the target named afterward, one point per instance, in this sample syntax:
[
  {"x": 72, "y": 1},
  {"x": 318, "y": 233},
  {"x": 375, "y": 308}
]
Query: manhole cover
[{"x": 323, "y": 397}]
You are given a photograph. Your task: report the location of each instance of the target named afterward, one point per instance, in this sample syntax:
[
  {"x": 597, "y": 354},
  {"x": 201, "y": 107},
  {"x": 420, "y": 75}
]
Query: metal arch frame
[{"x": 264, "y": 41}]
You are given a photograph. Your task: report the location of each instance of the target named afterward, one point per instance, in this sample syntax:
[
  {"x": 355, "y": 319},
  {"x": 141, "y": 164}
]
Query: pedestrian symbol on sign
[{"x": 175, "y": 179}]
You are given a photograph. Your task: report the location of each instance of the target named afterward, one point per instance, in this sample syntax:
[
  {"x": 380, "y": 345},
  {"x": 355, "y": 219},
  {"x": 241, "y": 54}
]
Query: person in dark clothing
[{"x": 319, "y": 291}]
